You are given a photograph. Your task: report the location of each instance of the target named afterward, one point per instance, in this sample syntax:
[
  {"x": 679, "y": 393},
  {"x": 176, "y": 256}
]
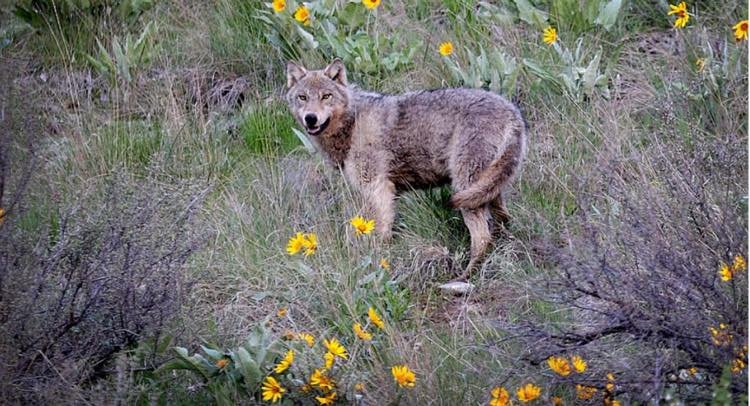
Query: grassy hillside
[{"x": 151, "y": 179}]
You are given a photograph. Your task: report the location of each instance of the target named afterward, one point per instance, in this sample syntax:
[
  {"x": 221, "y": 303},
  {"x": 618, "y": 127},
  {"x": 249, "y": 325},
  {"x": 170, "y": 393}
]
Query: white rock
[{"x": 457, "y": 287}]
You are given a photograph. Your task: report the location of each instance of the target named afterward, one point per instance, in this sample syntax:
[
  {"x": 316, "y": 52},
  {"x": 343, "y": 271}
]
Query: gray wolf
[{"x": 472, "y": 139}]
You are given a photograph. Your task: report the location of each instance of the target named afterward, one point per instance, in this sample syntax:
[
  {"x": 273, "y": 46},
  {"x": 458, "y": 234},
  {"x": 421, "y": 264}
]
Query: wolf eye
[
  {"x": 327, "y": 96},
  {"x": 302, "y": 97}
]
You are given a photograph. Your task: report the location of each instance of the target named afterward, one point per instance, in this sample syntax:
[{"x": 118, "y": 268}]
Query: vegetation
[{"x": 168, "y": 236}]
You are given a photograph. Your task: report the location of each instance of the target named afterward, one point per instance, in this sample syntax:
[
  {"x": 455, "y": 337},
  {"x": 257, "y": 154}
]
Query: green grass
[
  {"x": 268, "y": 130},
  {"x": 264, "y": 188}
]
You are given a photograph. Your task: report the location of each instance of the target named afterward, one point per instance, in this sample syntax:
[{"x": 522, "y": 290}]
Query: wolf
[{"x": 472, "y": 139}]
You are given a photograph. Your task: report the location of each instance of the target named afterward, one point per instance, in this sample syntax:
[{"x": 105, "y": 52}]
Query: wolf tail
[{"x": 491, "y": 181}]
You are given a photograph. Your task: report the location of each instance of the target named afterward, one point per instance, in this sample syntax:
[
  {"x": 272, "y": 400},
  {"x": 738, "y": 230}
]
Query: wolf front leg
[{"x": 380, "y": 197}]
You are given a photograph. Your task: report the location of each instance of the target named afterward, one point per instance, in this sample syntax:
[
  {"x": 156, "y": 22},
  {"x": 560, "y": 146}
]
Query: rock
[{"x": 457, "y": 287}]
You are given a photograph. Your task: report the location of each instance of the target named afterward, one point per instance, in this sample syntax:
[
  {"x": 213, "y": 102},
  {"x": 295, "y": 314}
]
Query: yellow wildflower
[
  {"x": 281, "y": 312},
  {"x": 334, "y": 347},
  {"x": 700, "y": 64},
  {"x": 310, "y": 244},
  {"x": 320, "y": 380},
  {"x": 403, "y": 376},
  {"x": 295, "y": 244},
  {"x": 681, "y": 12},
  {"x": 611, "y": 402},
  {"x": 692, "y": 371},
  {"x": 725, "y": 273},
  {"x": 327, "y": 399},
  {"x": 278, "y": 5},
  {"x": 385, "y": 264},
  {"x": 556, "y": 401},
  {"x": 445, "y": 48},
  {"x": 284, "y": 364},
  {"x": 362, "y": 334},
  {"x": 738, "y": 365},
  {"x": 222, "y": 363},
  {"x": 740, "y": 31},
  {"x": 374, "y": 318},
  {"x": 362, "y": 226},
  {"x": 272, "y": 390},
  {"x": 585, "y": 392},
  {"x": 610, "y": 386},
  {"x": 579, "y": 364},
  {"x": 359, "y": 387},
  {"x": 549, "y": 35},
  {"x": 302, "y": 14},
  {"x": 308, "y": 338},
  {"x": 329, "y": 358},
  {"x": 371, "y": 4},
  {"x": 500, "y": 397},
  {"x": 559, "y": 365},
  {"x": 720, "y": 336},
  {"x": 739, "y": 264},
  {"x": 528, "y": 392}
]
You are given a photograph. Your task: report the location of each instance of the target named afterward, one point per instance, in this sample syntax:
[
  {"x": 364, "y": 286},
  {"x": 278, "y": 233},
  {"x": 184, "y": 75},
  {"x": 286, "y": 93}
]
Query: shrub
[
  {"x": 82, "y": 282},
  {"x": 642, "y": 269}
]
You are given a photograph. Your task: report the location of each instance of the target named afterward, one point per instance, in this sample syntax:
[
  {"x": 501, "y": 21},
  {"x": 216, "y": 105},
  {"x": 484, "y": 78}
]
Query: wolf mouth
[{"x": 318, "y": 129}]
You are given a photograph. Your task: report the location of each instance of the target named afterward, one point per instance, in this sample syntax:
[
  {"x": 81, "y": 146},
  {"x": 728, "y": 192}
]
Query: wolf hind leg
[
  {"x": 478, "y": 223},
  {"x": 499, "y": 215}
]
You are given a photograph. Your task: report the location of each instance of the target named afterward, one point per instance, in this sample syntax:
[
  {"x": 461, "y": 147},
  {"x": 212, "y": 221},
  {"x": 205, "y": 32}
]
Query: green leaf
[
  {"x": 307, "y": 37},
  {"x": 248, "y": 367},
  {"x": 608, "y": 14},
  {"x": 213, "y": 354},
  {"x": 531, "y": 14},
  {"x": 305, "y": 141},
  {"x": 591, "y": 74}
]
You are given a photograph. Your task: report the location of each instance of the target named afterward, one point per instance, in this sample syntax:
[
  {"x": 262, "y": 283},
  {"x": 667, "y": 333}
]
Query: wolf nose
[{"x": 310, "y": 119}]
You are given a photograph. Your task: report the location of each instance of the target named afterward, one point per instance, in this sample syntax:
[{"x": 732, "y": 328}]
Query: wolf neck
[{"x": 336, "y": 142}]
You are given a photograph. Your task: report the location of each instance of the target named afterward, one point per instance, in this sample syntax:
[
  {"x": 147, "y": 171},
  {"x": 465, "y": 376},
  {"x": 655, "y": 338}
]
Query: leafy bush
[{"x": 342, "y": 29}]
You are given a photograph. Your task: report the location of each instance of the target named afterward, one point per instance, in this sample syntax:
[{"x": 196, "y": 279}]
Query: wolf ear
[
  {"x": 294, "y": 73},
  {"x": 336, "y": 71}
]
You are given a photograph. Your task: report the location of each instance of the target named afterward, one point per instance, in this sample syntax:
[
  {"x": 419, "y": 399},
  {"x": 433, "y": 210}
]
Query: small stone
[{"x": 457, "y": 287}]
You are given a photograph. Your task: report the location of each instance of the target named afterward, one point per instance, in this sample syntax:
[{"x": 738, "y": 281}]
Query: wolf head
[{"x": 317, "y": 98}]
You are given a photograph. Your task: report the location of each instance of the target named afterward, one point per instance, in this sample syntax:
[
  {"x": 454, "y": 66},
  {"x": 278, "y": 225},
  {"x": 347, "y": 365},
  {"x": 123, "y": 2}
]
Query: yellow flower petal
[
  {"x": 549, "y": 36},
  {"x": 528, "y": 392},
  {"x": 445, "y": 48},
  {"x": 403, "y": 376}
]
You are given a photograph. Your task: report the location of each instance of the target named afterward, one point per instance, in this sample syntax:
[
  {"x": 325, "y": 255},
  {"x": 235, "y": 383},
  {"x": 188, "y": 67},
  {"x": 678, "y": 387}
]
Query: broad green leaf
[
  {"x": 591, "y": 74},
  {"x": 608, "y": 14},
  {"x": 307, "y": 37},
  {"x": 531, "y": 14},
  {"x": 249, "y": 368},
  {"x": 213, "y": 354}
]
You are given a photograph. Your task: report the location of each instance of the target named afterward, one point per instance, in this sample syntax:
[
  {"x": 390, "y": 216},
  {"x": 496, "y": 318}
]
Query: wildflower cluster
[
  {"x": 727, "y": 273},
  {"x": 721, "y": 336},
  {"x": 561, "y": 366},
  {"x": 680, "y": 11},
  {"x": 740, "y": 361},
  {"x": 301, "y": 242}
]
